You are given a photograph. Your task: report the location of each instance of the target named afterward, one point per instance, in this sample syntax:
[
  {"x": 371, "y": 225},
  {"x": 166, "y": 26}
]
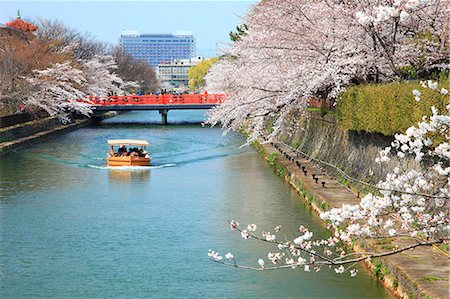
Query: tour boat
[{"x": 129, "y": 153}]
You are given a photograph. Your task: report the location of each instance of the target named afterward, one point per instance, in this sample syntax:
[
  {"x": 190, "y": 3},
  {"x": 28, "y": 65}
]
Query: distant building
[
  {"x": 174, "y": 75},
  {"x": 158, "y": 48},
  {"x": 17, "y": 28}
]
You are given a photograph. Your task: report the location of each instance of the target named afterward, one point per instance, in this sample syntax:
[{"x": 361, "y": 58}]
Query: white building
[
  {"x": 158, "y": 48},
  {"x": 174, "y": 75}
]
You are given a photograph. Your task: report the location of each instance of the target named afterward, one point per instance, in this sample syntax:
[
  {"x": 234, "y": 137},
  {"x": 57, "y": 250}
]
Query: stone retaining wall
[
  {"x": 405, "y": 273},
  {"x": 354, "y": 153},
  {"x": 21, "y": 136}
]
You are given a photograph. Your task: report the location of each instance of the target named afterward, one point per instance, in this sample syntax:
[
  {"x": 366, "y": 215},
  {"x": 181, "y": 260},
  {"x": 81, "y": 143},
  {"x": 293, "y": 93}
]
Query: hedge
[{"x": 387, "y": 108}]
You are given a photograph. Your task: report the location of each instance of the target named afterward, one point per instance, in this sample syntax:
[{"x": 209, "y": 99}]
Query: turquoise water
[{"x": 73, "y": 228}]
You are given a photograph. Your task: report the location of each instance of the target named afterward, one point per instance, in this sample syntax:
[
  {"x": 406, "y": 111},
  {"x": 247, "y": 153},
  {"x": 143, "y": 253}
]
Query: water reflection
[{"x": 126, "y": 176}]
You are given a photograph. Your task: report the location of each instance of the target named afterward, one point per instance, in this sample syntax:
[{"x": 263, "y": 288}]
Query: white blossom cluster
[
  {"x": 301, "y": 251},
  {"x": 410, "y": 203},
  {"x": 57, "y": 88},
  {"x": 101, "y": 78},
  {"x": 295, "y": 50},
  {"x": 400, "y": 9}
]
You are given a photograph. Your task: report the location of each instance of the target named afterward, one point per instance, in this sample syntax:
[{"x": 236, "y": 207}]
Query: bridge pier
[{"x": 163, "y": 113}]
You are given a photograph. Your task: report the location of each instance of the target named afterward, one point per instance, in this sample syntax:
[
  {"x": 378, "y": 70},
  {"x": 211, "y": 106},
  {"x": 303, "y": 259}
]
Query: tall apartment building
[{"x": 158, "y": 48}]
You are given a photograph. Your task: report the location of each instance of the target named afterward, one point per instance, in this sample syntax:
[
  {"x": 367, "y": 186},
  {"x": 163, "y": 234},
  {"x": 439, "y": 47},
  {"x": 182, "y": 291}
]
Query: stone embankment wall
[
  {"x": 20, "y": 136},
  {"x": 28, "y": 128},
  {"x": 419, "y": 273},
  {"x": 354, "y": 153}
]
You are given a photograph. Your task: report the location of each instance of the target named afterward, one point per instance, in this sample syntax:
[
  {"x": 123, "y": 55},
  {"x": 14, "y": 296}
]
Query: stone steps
[{"x": 411, "y": 268}]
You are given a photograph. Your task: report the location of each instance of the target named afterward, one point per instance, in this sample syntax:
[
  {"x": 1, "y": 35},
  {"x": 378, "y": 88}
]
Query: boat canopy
[{"x": 128, "y": 142}]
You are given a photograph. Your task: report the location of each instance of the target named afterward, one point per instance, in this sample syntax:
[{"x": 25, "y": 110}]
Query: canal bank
[
  {"x": 419, "y": 273},
  {"x": 22, "y": 135}
]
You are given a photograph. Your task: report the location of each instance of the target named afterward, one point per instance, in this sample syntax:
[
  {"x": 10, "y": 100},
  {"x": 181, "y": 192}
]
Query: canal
[{"x": 73, "y": 228}]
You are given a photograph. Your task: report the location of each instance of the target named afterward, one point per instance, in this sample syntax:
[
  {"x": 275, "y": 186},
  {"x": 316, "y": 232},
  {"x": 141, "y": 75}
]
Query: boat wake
[{"x": 130, "y": 168}]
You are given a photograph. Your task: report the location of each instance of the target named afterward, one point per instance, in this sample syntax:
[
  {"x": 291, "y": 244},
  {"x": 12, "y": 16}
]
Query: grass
[
  {"x": 384, "y": 241},
  {"x": 271, "y": 158},
  {"x": 322, "y": 111},
  {"x": 445, "y": 247},
  {"x": 324, "y": 206},
  {"x": 434, "y": 278}
]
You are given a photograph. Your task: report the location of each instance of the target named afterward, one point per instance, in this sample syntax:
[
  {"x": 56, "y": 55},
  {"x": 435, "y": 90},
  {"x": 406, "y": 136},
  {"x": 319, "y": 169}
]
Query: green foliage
[
  {"x": 280, "y": 169},
  {"x": 387, "y": 108},
  {"x": 343, "y": 181},
  {"x": 198, "y": 72},
  {"x": 445, "y": 246},
  {"x": 296, "y": 144},
  {"x": 323, "y": 111},
  {"x": 395, "y": 283},
  {"x": 271, "y": 158},
  {"x": 407, "y": 72},
  {"x": 241, "y": 30},
  {"x": 324, "y": 206},
  {"x": 380, "y": 271},
  {"x": 384, "y": 241}
]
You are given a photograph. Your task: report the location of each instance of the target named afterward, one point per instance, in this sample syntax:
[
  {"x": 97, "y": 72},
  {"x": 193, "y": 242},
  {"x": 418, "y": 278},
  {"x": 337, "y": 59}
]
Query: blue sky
[{"x": 209, "y": 21}]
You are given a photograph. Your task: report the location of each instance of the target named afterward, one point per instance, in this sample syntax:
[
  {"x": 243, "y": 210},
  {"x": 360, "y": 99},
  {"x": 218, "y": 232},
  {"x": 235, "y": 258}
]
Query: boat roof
[{"x": 128, "y": 142}]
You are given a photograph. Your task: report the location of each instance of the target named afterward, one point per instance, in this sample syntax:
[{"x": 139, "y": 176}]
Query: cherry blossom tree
[
  {"x": 101, "y": 77},
  {"x": 411, "y": 204},
  {"x": 56, "y": 89},
  {"x": 295, "y": 50},
  {"x": 51, "y": 66}
]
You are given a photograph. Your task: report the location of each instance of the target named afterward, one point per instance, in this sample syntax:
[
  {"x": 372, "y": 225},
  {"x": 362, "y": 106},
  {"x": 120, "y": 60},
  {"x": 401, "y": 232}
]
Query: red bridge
[{"x": 162, "y": 103}]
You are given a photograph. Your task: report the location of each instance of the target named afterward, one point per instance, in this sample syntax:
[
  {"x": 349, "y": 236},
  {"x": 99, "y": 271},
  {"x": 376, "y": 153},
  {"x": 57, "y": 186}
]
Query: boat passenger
[{"x": 122, "y": 150}]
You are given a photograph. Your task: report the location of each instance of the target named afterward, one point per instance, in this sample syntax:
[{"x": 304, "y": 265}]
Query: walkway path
[{"x": 423, "y": 272}]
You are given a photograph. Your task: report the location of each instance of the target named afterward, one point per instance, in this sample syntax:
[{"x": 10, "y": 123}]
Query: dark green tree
[{"x": 241, "y": 30}]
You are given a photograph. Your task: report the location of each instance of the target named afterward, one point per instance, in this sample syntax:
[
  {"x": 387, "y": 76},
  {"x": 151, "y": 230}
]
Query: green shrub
[
  {"x": 271, "y": 158},
  {"x": 387, "y": 108},
  {"x": 407, "y": 72},
  {"x": 380, "y": 271},
  {"x": 323, "y": 111},
  {"x": 395, "y": 283}
]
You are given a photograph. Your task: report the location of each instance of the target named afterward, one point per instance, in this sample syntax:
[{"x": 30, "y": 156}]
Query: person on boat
[{"x": 122, "y": 150}]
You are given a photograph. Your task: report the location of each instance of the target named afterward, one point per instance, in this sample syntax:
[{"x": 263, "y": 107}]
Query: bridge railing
[{"x": 165, "y": 99}]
